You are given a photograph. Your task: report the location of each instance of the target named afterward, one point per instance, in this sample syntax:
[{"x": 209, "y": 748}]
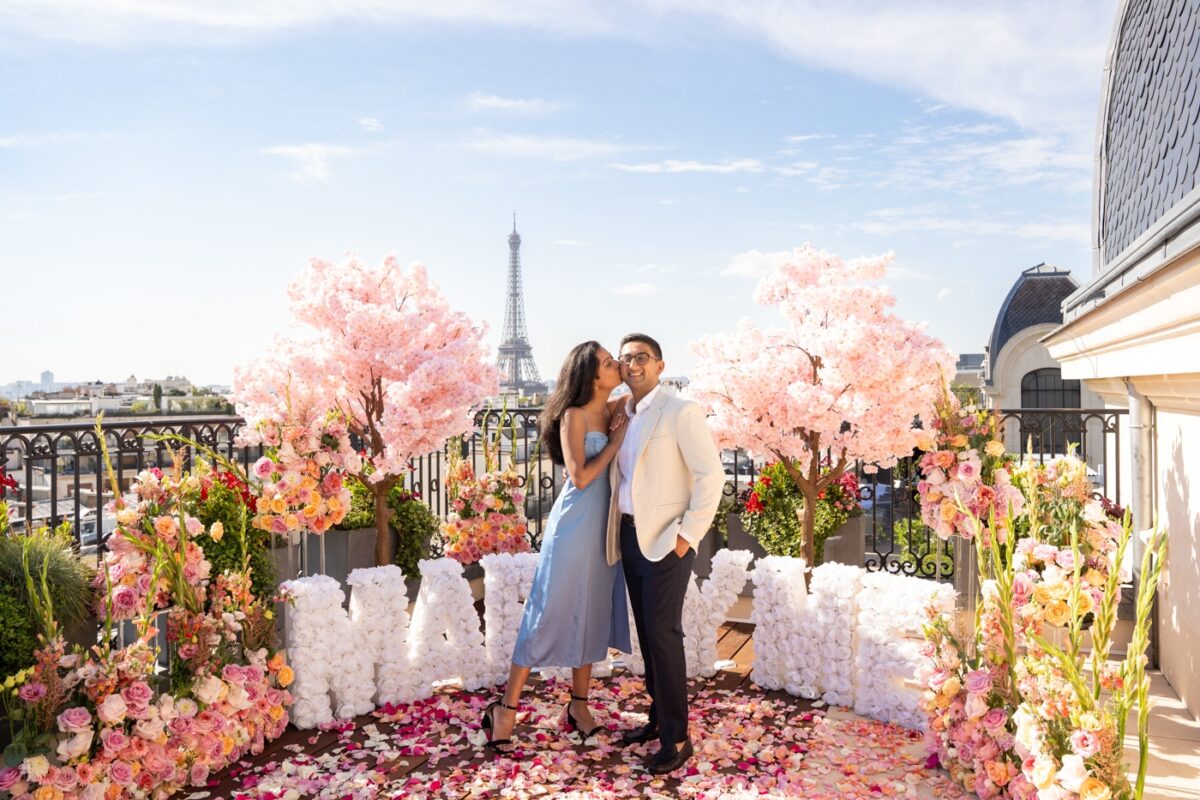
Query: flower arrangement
[
  {"x": 302, "y": 474},
  {"x": 773, "y": 510},
  {"x": 1011, "y": 712},
  {"x": 100, "y": 723},
  {"x": 487, "y": 513},
  {"x": 965, "y": 471}
]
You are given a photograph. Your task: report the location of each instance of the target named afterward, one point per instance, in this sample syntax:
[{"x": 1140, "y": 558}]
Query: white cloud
[
  {"x": 671, "y": 166},
  {"x": 809, "y": 137},
  {"x": 637, "y": 289},
  {"x": 944, "y": 292},
  {"x": 371, "y": 124},
  {"x": 932, "y": 219},
  {"x": 312, "y": 160},
  {"x": 550, "y": 148},
  {"x": 661, "y": 269},
  {"x": 754, "y": 263},
  {"x": 491, "y": 102},
  {"x": 37, "y": 140},
  {"x": 1038, "y": 64}
]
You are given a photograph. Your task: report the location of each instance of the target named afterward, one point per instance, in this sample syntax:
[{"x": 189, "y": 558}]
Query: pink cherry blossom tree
[
  {"x": 842, "y": 376},
  {"x": 382, "y": 350}
]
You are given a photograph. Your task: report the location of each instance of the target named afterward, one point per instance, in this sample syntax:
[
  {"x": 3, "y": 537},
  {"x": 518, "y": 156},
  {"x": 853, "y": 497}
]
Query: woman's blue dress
[{"x": 576, "y": 609}]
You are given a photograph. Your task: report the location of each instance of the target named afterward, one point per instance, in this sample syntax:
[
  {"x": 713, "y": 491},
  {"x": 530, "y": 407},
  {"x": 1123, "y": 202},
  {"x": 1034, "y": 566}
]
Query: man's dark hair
[{"x": 644, "y": 339}]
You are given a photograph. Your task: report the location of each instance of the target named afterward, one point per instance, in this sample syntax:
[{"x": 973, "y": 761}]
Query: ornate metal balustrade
[{"x": 61, "y": 477}]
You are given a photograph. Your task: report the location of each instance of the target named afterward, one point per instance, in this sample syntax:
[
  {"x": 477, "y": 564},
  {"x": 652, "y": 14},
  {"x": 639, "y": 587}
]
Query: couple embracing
[{"x": 643, "y": 482}]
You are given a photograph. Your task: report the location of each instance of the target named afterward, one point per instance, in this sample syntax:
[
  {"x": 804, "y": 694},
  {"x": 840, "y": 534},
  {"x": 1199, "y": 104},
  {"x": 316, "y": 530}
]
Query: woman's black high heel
[
  {"x": 487, "y": 724},
  {"x": 572, "y": 725}
]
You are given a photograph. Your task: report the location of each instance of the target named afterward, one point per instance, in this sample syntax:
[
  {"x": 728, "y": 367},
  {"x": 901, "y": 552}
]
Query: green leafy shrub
[
  {"x": 69, "y": 578},
  {"x": 224, "y": 504},
  {"x": 772, "y": 508},
  {"x": 415, "y": 525},
  {"x": 17, "y": 636},
  {"x": 915, "y": 546},
  {"x": 412, "y": 520}
]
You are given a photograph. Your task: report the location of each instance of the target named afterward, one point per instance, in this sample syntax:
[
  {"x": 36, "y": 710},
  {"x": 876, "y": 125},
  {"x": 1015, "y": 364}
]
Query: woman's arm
[{"x": 573, "y": 431}]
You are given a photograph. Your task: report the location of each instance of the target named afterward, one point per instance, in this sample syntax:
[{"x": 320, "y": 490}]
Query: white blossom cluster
[
  {"x": 782, "y": 659},
  {"x": 829, "y": 628},
  {"x": 334, "y": 677},
  {"x": 445, "y": 640},
  {"x": 507, "y": 580},
  {"x": 705, "y": 608},
  {"x": 890, "y": 618},
  {"x": 379, "y": 614}
]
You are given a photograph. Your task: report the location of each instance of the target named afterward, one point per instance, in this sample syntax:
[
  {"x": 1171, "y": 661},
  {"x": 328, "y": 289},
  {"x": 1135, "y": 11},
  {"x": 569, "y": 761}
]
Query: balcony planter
[
  {"x": 848, "y": 544},
  {"x": 739, "y": 539},
  {"x": 705, "y": 551},
  {"x": 345, "y": 551}
]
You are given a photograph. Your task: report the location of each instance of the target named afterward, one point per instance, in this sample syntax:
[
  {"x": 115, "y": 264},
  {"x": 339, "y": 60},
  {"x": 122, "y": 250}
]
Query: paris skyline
[{"x": 167, "y": 173}]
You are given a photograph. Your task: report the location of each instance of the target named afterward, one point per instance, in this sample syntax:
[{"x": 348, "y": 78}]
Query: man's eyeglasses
[{"x": 639, "y": 358}]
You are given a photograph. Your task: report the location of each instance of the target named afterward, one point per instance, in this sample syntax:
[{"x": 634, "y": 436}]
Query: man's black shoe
[
  {"x": 664, "y": 762},
  {"x": 643, "y": 734}
]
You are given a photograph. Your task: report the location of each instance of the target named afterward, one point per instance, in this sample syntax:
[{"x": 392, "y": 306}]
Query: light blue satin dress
[{"x": 576, "y": 609}]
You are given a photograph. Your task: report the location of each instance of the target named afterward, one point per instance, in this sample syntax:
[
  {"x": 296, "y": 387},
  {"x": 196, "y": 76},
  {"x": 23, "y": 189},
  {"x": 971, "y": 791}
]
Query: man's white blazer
[{"x": 677, "y": 479}]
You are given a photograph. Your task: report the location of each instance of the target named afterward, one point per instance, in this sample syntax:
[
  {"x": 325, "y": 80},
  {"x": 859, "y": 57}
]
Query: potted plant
[{"x": 413, "y": 526}]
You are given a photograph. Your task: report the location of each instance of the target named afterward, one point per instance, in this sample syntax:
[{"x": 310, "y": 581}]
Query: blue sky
[{"x": 167, "y": 167}]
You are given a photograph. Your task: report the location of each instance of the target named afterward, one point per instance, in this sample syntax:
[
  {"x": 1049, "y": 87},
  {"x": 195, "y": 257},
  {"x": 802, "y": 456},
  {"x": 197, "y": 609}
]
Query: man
[{"x": 668, "y": 481}]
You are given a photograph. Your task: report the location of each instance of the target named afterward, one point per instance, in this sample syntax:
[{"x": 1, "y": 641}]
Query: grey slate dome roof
[
  {"x": 1036, "y": 298},
  {"x": 1149, "y": 143}
]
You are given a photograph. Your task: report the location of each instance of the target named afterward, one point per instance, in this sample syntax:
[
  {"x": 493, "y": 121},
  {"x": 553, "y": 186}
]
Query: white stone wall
[{"x": 1177, "y": 496}]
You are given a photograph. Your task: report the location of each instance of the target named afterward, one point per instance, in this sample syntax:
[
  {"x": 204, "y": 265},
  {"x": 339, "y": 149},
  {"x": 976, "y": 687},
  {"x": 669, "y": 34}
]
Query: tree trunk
[
  {"x": 383, "y": 518},
  {"x": 808, "y": 520}
]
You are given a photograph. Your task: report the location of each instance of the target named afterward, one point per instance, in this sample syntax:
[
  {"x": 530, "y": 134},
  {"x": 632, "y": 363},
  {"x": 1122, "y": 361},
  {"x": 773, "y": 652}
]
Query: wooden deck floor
[{"x": 735, "y": 644}]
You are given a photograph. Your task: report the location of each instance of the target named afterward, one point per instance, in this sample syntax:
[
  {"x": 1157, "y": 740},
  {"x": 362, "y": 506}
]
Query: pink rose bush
[
  {"x": 487, "y": 513},
  {"x": 1011, "y": 712},
  {"x": 102, "y": 723}
]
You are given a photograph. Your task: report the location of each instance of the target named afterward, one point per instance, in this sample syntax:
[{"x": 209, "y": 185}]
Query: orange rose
[{"x": 1093, "y": 789}]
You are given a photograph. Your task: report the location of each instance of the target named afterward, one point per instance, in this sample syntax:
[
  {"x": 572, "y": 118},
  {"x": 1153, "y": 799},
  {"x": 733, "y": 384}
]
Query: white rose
[
  {"x": 36, "y": 767},
  {"x": 1073, "y": 773},
  {"x": 75, "y": 747}
]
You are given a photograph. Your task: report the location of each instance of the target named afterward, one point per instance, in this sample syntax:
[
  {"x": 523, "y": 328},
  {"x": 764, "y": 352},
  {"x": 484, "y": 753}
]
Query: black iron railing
[{"x": 60, "y": 475}]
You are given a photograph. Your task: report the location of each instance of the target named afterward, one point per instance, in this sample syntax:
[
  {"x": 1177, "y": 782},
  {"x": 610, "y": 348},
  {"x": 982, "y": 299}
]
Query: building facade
[{"x": 1132, "y": 332}]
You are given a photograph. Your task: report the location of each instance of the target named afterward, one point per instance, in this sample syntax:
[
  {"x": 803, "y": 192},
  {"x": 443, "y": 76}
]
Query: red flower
[
  {"x": 765, "y": 480},
  {"x": 7, "y": 480},
  {"x": 754, "y": 504}
]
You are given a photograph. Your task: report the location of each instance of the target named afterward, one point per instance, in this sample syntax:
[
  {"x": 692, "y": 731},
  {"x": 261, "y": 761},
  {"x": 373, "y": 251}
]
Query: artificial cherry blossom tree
[
  {"x": 842, "y": 376},
  {"x": 382, "y": 350}
]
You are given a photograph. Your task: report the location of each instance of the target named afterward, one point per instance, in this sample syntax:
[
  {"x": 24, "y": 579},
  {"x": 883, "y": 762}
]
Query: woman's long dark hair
[{"x": 576, "y": 384}]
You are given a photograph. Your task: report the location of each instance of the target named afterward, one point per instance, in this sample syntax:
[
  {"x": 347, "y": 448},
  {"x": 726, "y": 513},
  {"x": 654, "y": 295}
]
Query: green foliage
[
  {"x": 17, "y": 638},
  {"x": 412, "y": 520},
  {"x": 69, "y": 578},
  {"x": 362, "y": 508},
  {"x": 415, "y": 524},
  {"x": 224, "y": 505},
  {"x": 914, "y": 542},
  {"x": 777, "y": 526}
]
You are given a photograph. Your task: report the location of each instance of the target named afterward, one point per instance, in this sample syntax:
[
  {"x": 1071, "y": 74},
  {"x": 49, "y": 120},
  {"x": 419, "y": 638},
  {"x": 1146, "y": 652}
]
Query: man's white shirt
[{"x": 628, "y": 451}]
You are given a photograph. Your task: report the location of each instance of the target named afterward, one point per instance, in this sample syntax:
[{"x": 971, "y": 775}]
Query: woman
[{"x": 576, "y": 610}]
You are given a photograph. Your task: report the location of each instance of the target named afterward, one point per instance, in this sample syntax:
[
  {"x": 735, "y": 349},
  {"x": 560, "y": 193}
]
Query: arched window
[
  {"x": 1045, "y": 388},
  {"x": 1050, "y": 433}
]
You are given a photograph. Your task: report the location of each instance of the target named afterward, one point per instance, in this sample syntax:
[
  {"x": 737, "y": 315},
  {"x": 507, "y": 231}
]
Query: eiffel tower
[{"x": 519, "y": 374}]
